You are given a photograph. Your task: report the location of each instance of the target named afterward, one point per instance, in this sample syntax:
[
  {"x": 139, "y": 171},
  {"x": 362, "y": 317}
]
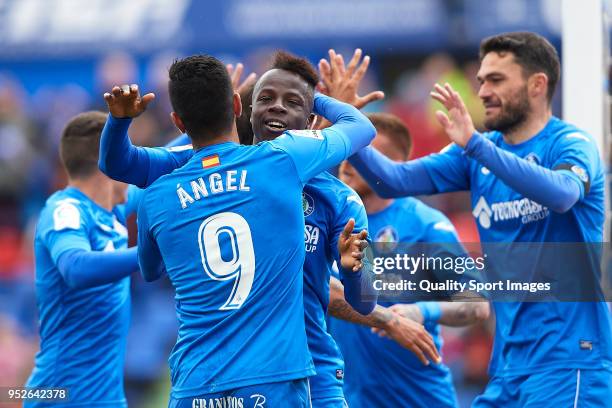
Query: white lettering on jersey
[
  {"x": 215, "y": 183},
  {"x": 66, "y": 216},
  {"x": 260, "y": 400},
  {"x": 311, "y": 237},
  {"x": 524, "y": 208}
]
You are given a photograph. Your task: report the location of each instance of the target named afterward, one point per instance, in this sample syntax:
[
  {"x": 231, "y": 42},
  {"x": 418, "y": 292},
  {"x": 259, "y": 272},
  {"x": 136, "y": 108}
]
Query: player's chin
[{"x": 269, "y": 134}]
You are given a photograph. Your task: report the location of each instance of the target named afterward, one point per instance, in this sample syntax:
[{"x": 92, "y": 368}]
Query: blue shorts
[
  {"x": 329, "y": 402},
  {"x": 281, "y": 394},
  {"x": 583, "y": 388}
]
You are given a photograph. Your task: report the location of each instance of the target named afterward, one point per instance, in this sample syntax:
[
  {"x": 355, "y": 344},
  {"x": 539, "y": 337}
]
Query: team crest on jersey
[
  {"x": 386, "y": 239},
  {"x": 307, "y": 204},
  {"x": 532, "y": 158},
  {"x": 581, "y": 173},
  {"x": 485, "y": 171},
  {"x": 313, "y": 134}
]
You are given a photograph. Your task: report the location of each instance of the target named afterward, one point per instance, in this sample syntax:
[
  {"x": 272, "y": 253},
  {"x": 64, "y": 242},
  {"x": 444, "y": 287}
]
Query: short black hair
[
  {"x": 532, "y": 52},
  {"x": 201, "y": 94},
  {"x": 395, "y": 129},
  {"x": 80, "y": 143},
  {"x": 243, "y": 122},
  {"x": 299, "y": 66}
]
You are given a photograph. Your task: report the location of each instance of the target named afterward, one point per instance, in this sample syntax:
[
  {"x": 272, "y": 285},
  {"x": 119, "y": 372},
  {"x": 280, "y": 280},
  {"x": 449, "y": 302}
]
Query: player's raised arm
[
  {"x": 314, "y": 151},
  {"x": 121, "y": 160},
  {"x": 558, "y": 190}
]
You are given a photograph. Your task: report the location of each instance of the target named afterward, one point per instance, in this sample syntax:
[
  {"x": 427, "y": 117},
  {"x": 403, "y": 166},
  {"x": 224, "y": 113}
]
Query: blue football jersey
[
  {"x": 229, "y": 226},
  {"x": 82, "y": 331},
  {"x": 379, "y": 372},
  {"x": 537, "y": 336},
  {"x": 328, "y": 205}
]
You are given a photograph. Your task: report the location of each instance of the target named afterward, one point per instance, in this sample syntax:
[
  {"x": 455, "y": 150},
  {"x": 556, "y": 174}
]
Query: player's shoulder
[
  {"x": 65, "y": 209},
  {"x": 560, "y": 132},
  {"x": 430, "y": 218}
]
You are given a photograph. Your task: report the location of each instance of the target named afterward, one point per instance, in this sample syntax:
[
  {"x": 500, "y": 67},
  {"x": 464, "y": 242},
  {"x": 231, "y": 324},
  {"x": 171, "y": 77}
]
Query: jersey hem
[
  {"x": 569, "y": 364},
  {"x": 246, "y": 382}
]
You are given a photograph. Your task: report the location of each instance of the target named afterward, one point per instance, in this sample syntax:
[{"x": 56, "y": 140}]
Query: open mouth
[{"x": 275, "y": 125}]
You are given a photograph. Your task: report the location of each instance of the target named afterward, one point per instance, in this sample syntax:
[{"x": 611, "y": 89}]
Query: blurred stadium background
[{"x": 58, "y": 56}]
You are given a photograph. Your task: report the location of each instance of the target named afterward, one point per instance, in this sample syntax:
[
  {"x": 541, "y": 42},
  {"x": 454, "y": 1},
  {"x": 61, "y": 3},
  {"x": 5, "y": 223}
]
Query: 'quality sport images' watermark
[{"x": 402, "y": 272}]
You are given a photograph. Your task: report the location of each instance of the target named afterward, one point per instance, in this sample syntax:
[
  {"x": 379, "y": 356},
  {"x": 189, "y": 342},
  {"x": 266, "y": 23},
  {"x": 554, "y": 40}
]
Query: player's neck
[
  {"x": 535, "y": 122},
  {"x": 229, "y": 136},
  {"x": 97, "y": 190},
  {"x": 374, "y": 203}
]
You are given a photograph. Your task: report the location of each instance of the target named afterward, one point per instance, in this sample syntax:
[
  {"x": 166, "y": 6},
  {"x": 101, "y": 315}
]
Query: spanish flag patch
[{"x": 211, "y": 161}]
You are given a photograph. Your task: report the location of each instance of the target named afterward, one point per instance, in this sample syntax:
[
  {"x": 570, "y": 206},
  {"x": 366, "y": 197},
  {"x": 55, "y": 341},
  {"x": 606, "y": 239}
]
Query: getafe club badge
[
  {"x": 386, "y": 239},
  {"x": 307, "y": 204}
]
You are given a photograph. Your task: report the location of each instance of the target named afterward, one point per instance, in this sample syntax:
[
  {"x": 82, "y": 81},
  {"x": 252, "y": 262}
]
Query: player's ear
[
  {"x": 537, "y": 84},
  {"x": 311, "y": 123},
  {"x": 237, "y": 103},
  {"x": 177, "y": 122}
]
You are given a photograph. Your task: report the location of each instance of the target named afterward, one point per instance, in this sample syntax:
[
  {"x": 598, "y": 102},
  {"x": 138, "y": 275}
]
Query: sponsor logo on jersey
[
  {"x": 307, "y": 204},
  {"x": 311, "y": 237},
  {"x": 524, "y": 209},
  {"x": 313, "y": 134},
  {"x": 339, "y": 374},
  {"x": 485, "y": 171}
]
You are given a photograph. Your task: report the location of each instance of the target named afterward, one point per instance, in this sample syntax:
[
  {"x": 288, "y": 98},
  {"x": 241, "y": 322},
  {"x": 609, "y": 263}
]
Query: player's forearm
[
  {"x": 390, "y": 179},
  {"x": 85, "y": 269},
  {"x": 119, "y": 159},
  {"x": 550, "y": 188},
  {"x": 463, "y": 313},
  {"x": 341, "y": 309},
  {"x": 348, "y": 122}
]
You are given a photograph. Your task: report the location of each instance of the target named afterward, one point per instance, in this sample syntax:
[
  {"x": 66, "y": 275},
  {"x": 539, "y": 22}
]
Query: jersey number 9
[{"x": 241, "y": 266}]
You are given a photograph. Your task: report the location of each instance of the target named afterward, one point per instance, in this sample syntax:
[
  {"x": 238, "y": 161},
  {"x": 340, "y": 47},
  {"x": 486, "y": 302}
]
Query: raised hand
[
  {"x": 125, "y": 101},
  {"x": 236, "y": 73},
  {"x": 351, "y": 247},
  {"x": 458, "y": 123},
  {"x": 342, "y": 82}
]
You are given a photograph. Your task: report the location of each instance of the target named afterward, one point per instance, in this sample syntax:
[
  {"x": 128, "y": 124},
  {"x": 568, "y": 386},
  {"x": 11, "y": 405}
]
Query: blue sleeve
[
  {"x": 390, "y": 179},
  {"x": 141, "y": 166},
  {"x": 577, "y": 157},
  {"x": 68, "y": 231},
  {"x": 553, "y": 189},
  {"x": 149, "y": 257},
  {"x": 358, "y": 288},
  {"x": 314, "y": 151},
  {"x": 351, "y": 206},
  {"x": 448, "y": 170},
  {"x": 84, "y": 269}
]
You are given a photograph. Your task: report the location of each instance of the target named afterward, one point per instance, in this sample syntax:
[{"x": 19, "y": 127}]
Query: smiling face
[
  {"x": 282, "y": 101},
  {"x": 504, "y": 92}
]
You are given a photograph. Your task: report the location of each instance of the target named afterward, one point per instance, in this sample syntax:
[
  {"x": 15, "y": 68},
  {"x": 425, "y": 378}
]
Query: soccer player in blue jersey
[
  {"x": 391, "y": 368},
  {"x": 82, "y": 278},
  {"x": 229, "y": 227},
  {"x": 545, "y": 354},
  {"x": 328, "y": 205}
]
